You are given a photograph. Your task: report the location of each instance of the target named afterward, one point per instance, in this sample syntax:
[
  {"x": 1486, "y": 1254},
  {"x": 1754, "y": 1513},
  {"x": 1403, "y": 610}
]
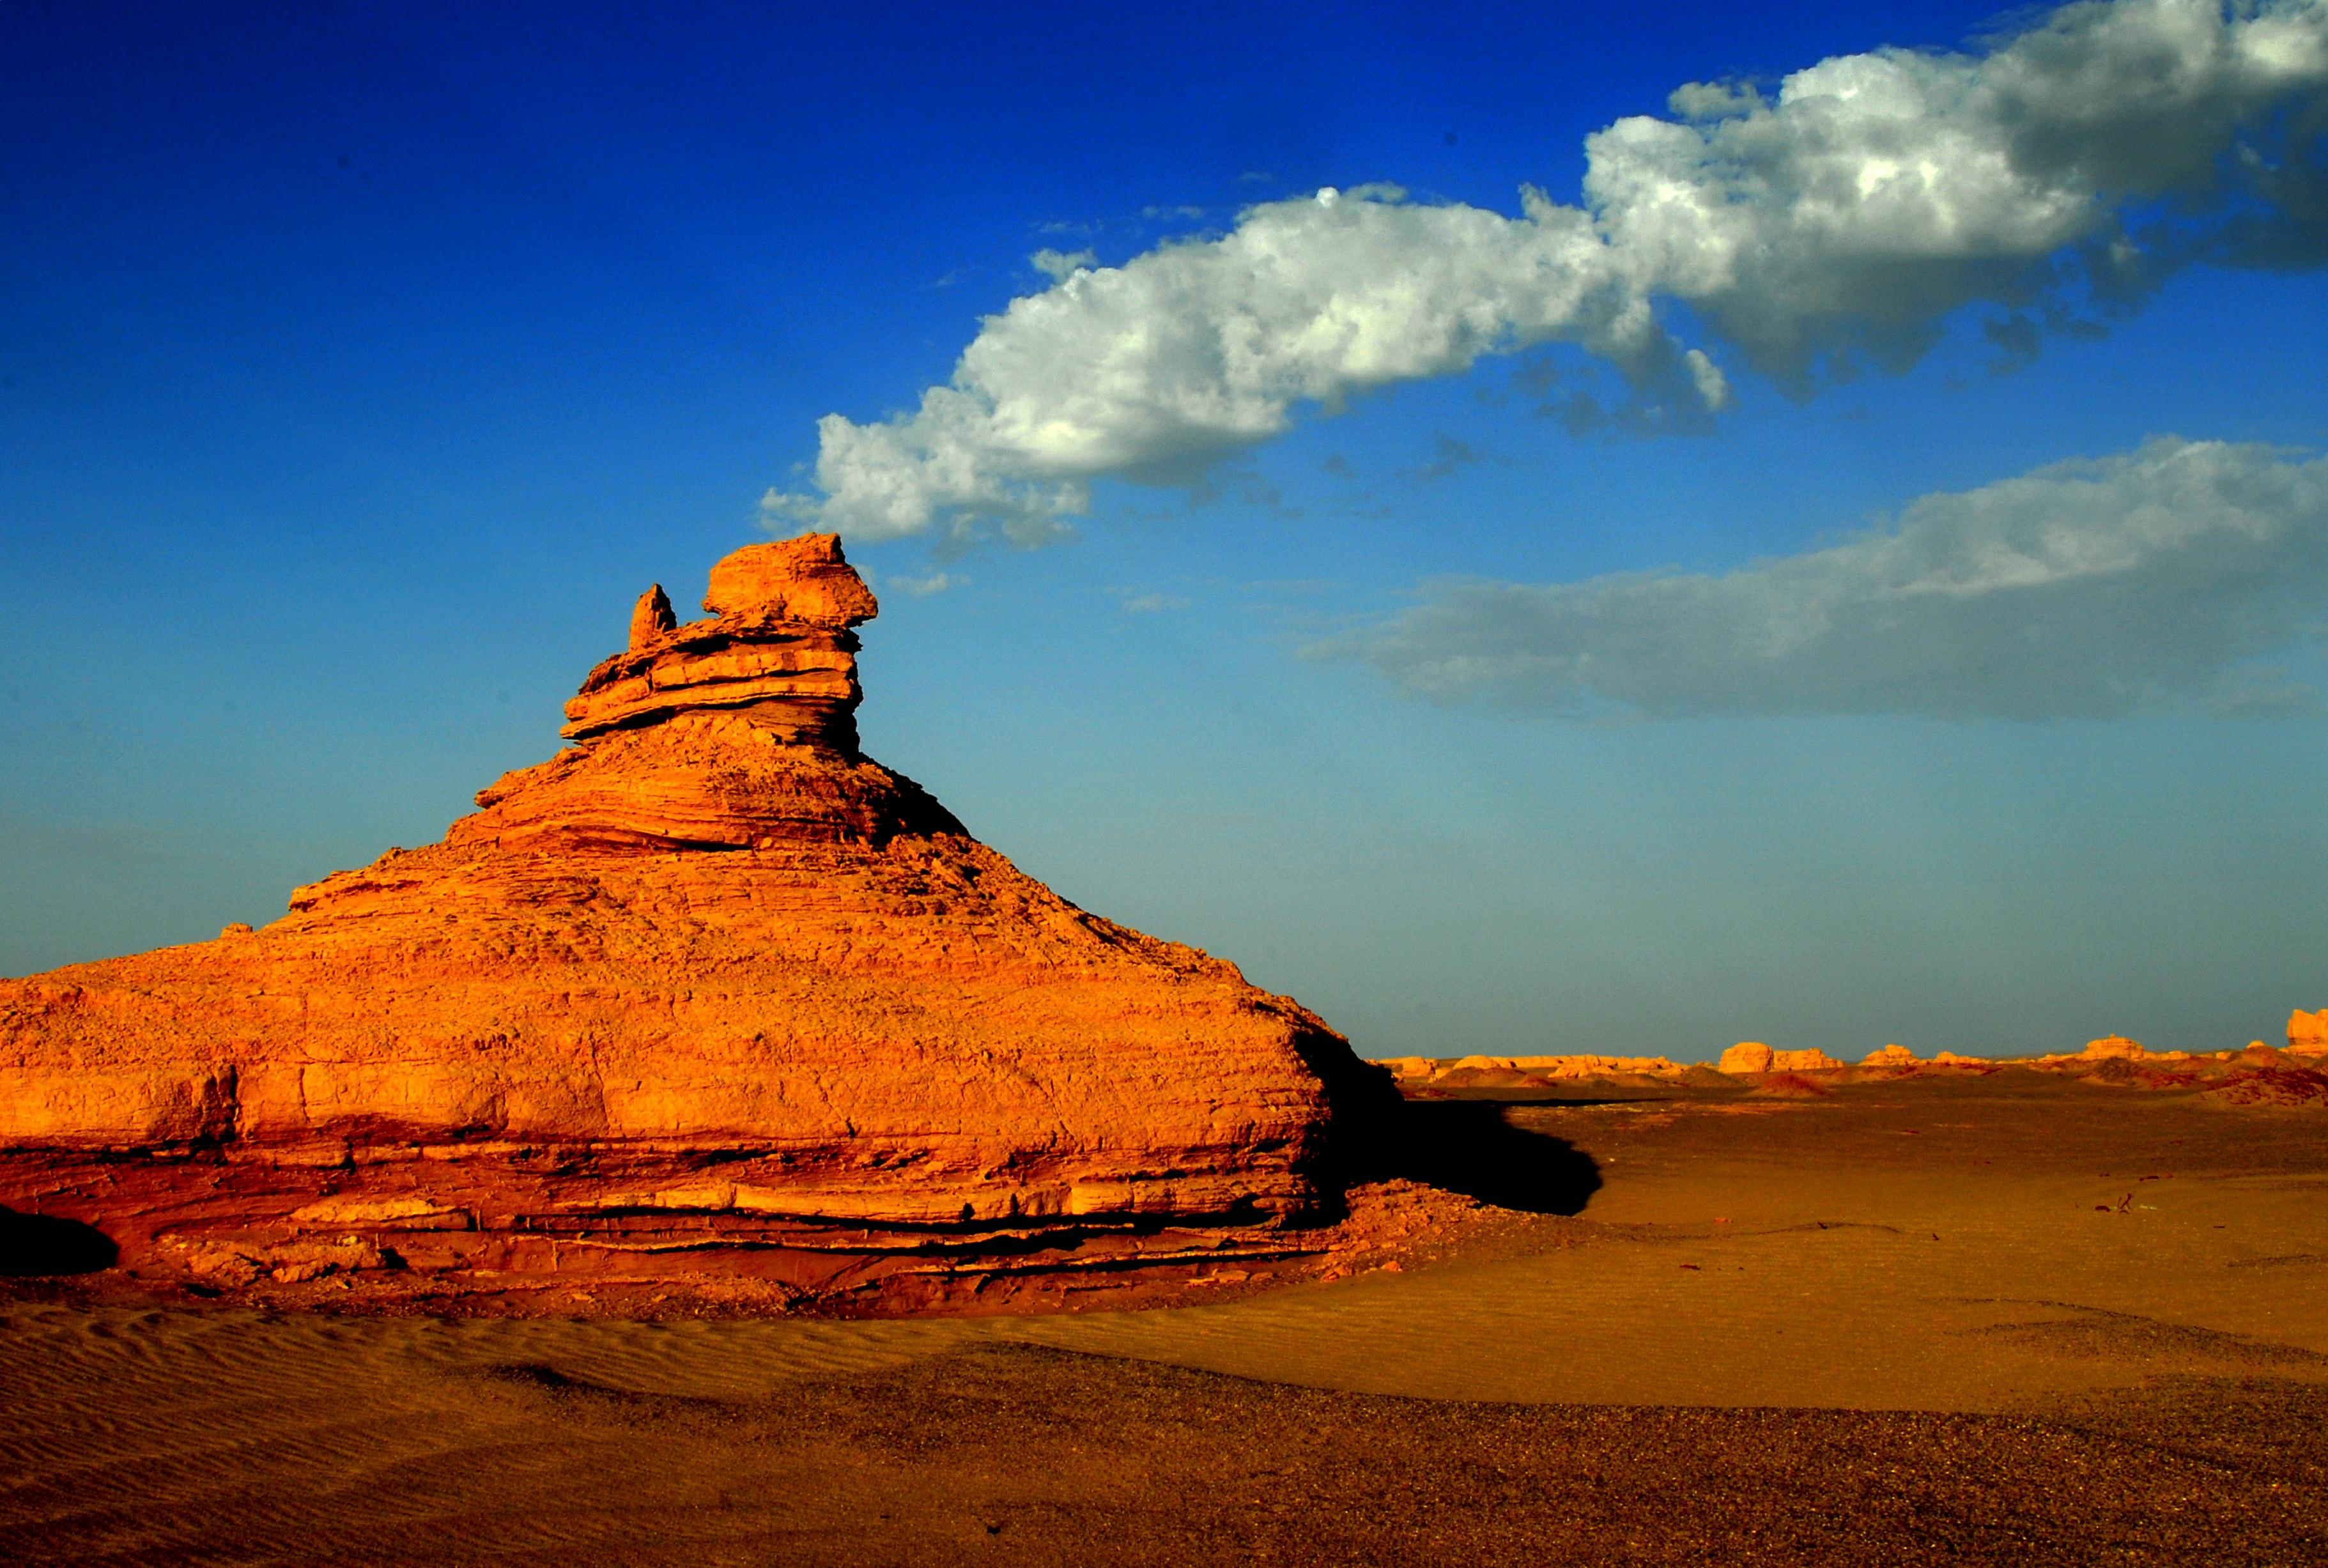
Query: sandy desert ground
[{"x": 2002, "y": 1317}]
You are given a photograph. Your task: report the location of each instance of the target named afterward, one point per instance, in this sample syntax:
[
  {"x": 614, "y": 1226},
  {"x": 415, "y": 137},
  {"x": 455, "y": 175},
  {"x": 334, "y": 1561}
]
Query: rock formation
[
  {"x": 1754, "y": 1056},
  {"x": 778, "y": 649},
  {"x": 1431, "y": 1077},
  {"x": 708, "y": 991},
  {"x": 1575, "y": 1066},
  {"x": 2307, "y": 1033}
]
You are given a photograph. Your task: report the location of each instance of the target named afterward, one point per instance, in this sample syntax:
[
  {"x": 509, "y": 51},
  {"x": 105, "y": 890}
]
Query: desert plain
[{"x": 1961, "y": 1315}]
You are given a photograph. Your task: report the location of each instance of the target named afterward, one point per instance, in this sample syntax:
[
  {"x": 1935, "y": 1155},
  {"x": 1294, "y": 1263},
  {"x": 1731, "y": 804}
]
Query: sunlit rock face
[
  {"x": 778, "y": 649},
  {"x": 708, "y": 970},
  {"x": 1753, "y": 1056}
]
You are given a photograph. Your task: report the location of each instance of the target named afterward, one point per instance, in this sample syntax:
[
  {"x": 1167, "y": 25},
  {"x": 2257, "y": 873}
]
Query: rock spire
[{"x": 777, "y": 651}]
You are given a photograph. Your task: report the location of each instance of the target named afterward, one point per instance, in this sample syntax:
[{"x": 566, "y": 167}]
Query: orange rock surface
[
  {"x": 1754, "y": 1056},
  {"x": 2308, "y": 1032},
  {"x": 707, "y": 973},
  {"x": 778, "y": 650}
]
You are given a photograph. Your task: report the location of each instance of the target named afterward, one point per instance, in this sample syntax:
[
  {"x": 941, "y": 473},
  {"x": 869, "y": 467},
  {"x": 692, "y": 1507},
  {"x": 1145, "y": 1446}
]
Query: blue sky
[{"x": 1808, "y": 578}]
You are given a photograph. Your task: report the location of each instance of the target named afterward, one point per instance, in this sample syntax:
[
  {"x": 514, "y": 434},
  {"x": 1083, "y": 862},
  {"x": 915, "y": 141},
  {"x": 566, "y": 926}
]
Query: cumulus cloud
[
  {"x": 2052, "y": 177},
  {"x": 1156, "y": 368},
  {"x": 1876, "y": 193},
  {"x": 2152, "y": 581}
]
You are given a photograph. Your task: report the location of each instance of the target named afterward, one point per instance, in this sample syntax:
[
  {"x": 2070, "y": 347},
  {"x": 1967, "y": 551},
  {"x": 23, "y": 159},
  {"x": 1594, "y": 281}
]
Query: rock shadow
[
  {"x": 1468, "y": 1147},
  {"x": 36, "y": 1244}
]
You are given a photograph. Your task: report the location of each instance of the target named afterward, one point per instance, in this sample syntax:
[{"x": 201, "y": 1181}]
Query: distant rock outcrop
[
  {"x": 2307, "y": 1033},
  {"x": 1749, "y": 1056},
  {"x": 708, "y": 991},
  {"x": 1579, "y": 1066},
  {"x": 1432, "y": 1076}
]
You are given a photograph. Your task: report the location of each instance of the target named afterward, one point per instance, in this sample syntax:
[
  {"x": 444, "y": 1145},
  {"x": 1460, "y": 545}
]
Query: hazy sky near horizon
[{"x": 1529, "y": 529}]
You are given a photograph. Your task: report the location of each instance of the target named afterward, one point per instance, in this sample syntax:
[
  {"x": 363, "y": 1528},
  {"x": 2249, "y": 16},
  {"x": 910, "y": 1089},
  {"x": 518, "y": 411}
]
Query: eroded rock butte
[
  {"x": 708, "y": 995},
  {"x": 2308, "y": 1032}
]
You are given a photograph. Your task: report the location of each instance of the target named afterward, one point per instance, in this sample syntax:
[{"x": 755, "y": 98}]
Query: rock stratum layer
[{"x": 707, "y": 994}]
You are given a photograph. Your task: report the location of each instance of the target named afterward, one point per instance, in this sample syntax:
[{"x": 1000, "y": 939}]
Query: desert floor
[{"x": 2004, "y": 1318}]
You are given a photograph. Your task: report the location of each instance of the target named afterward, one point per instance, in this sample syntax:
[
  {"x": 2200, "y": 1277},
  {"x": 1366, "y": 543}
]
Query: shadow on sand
[
  {"x": 1467, "y": 1146},
  {"x": 34, "y": 1245}
]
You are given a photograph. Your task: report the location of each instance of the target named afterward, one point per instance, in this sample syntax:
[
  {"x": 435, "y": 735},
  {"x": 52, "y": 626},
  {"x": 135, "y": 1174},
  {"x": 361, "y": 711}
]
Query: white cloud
[
  {"x": 1059, "y": 266},
  {"x": 1850, "y": 214},
  {"x": 1877, "y": 192},
  {"x": 1191, "y": 352},
  {"x": 2152, "y": 581}
]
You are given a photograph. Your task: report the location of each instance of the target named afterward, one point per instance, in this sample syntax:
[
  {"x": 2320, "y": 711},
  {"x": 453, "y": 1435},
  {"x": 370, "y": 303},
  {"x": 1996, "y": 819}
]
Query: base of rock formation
[{"x": 520, "y": 1230}]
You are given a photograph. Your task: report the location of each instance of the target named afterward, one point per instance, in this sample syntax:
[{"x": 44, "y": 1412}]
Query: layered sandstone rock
[
  {"x": 709, "y": 974},
  {"x": 2307, "y": 1033},
  {"x": 778, "y": 650}
]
